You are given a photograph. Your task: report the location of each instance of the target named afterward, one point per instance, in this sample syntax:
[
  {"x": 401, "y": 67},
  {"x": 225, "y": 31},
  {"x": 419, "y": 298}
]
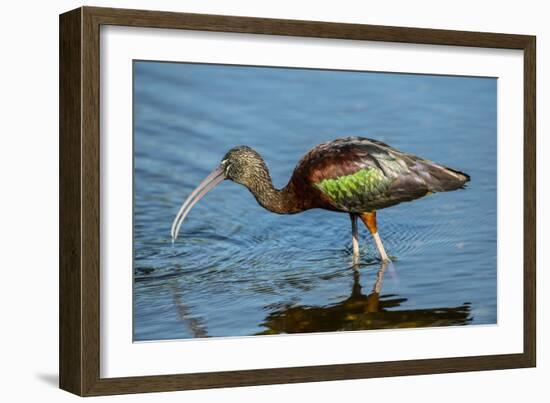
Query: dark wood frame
[{"x": 79, "y": 200}]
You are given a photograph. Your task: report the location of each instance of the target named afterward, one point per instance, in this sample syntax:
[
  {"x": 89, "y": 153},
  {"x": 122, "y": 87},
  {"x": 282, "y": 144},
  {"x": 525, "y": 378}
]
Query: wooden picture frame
[{"x": 79, "y": 201}]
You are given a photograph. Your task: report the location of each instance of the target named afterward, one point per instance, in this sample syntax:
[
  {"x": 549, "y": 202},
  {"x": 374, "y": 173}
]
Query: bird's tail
[{"x": 443, "y": 179}]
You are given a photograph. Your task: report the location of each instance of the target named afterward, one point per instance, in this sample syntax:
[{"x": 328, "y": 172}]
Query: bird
[{"x": 354, "y": 175}]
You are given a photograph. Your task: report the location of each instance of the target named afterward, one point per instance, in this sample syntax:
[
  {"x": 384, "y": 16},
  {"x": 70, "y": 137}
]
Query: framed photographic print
[{"x": 249, "y": 201}]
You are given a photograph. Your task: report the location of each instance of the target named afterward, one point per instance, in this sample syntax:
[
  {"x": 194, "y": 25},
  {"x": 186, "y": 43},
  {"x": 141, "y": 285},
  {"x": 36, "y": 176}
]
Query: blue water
[{"x": 237, "y": 269}]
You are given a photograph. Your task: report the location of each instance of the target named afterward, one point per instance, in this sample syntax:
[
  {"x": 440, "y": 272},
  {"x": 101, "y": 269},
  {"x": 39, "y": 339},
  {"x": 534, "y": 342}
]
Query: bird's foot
[{"x": 387, "y": 259}]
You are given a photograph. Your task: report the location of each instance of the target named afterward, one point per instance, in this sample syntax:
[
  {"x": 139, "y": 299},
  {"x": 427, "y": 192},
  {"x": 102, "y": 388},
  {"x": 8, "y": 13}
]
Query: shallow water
[{"x": 237, "y": 269}]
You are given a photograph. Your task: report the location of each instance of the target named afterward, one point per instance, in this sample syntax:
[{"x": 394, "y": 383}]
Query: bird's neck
[{"x": 281, "y": 201}]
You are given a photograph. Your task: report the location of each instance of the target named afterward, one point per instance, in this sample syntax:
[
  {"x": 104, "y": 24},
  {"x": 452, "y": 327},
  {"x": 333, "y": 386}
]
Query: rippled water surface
[{"x": 237, "y": 269}]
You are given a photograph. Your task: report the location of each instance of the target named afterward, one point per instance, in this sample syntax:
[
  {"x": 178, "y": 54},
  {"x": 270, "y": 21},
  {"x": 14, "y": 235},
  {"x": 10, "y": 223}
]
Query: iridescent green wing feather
[{"x": 356, "y": 192}]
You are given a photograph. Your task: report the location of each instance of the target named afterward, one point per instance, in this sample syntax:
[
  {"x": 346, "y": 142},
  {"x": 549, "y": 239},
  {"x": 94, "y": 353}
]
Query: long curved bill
[{"x": 206, "y": 186}]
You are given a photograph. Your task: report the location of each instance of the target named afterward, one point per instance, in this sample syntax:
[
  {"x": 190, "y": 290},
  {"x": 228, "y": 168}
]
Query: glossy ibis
[{"x": 354, "y": 175}]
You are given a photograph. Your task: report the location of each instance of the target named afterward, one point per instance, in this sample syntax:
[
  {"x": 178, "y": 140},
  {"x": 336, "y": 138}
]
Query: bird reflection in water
[
  {"x": 362, "y": 312},
  {"x": 357, "y": 312}
]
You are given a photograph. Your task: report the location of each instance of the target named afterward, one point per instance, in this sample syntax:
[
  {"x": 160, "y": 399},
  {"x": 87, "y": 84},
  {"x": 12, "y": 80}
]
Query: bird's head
[{"x": 241, "y": 164}]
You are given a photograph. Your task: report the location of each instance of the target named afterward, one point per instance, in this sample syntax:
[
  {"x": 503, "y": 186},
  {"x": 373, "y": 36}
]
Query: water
[{"x": 239, "y": 270}]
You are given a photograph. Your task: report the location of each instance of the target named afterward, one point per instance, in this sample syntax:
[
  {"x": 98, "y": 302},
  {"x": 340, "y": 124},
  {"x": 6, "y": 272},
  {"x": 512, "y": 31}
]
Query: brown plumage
[
  {"x": 353, "y": 174},
  {"x": 410, "y": 177}
]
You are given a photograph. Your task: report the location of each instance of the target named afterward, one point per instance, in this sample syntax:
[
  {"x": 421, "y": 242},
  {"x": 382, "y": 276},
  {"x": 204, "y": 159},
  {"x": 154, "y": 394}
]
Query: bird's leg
[
  {"x": 369, "y": 219},
  {"x": 354, "y": 237}
]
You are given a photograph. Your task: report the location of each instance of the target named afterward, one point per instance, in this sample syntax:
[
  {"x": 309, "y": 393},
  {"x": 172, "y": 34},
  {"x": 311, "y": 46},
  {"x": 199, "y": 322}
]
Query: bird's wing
[{"x": 357, "y": 174}]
